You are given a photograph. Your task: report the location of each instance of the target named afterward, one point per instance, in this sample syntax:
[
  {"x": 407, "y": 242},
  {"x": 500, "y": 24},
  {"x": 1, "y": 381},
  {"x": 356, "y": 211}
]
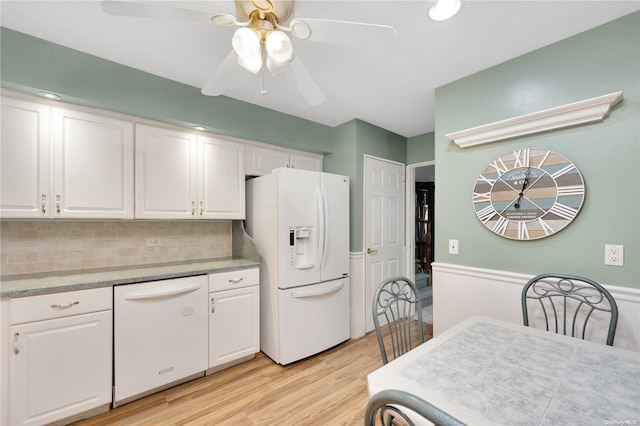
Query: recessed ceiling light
[
  {"x": 50, "y": 96},
  {"x": 444, "y": 9},
  {"x": 197, "y": 127}
]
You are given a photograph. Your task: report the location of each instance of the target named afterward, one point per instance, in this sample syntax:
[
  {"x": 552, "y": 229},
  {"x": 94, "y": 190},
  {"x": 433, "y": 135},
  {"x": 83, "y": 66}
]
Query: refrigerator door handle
[
  {"x": 325, "y": 228},
  {"x": 332, "y": 289},
  {"x": 321, "y": 225}
]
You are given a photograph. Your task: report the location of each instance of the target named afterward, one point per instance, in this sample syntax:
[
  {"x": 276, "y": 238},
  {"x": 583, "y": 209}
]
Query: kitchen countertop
[{"x": 55, "y": 282}]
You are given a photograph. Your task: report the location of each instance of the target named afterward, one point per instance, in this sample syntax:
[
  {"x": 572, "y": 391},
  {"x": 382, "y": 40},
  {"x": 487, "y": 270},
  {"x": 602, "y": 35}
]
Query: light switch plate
[{"x": 453, "y": 246}]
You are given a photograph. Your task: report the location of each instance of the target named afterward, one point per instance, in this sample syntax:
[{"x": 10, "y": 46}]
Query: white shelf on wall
[{"x": 589, "y": 110}]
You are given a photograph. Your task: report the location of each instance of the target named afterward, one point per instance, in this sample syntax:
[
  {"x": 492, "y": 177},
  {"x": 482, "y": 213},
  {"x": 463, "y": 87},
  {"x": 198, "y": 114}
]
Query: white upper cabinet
[
  {"x": 305, "y": 162},
  {"x": 166, "y": 170},
  {"x": 180, "y": 175},
  {"x": 64, "y": 163},
  {"x": 92, "y": 166},
  {"x": 220, "y": 179},
  {"x": 24, "y": 159},
  {"x": 261, "y": 160}
]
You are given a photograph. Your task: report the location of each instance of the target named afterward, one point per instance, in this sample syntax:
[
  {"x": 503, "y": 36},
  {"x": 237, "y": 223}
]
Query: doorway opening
[{"x": 420, "y": 231}]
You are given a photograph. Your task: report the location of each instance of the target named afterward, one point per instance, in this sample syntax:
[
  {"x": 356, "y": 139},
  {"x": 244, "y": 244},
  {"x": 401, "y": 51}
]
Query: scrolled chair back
[
  {"x": 395, "y": 407},
  {"x": 569, "y": 305},
  {"x": 396, "y": 303}
]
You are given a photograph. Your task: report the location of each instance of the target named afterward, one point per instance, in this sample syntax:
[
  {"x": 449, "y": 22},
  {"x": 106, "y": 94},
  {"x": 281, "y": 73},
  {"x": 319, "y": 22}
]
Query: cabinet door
[
  {"x": 305, "y": 162},
  {"x": 234, "y": 324},
  {"x": 220, "y": 179},
  {"x": 25, "y": 160},
  {"x": 166, "y": 174},
  {"x": 92, "y": 166},
  {"x": 264, "y": 160},
  {"x": 62, "y": 367}
]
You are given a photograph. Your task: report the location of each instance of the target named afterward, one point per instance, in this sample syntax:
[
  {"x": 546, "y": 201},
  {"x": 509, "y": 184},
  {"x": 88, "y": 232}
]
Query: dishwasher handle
[{"x": 162, "y": 293}]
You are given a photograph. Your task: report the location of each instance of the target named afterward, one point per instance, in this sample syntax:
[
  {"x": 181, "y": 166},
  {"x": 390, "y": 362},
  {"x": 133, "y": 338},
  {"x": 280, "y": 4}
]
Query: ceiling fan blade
[
  {"x": 216, "y": 83},
  {"x": 347, "y": 33},
  {"x": 139, "y": 10},
  {"x": 307, "y": 84}
]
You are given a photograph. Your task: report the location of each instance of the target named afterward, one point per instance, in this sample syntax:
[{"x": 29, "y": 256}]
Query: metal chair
[
  {"x": 387, "y": 405},
  {"x": 568, "y": 303},
  {"x": 397, "y": 302}
]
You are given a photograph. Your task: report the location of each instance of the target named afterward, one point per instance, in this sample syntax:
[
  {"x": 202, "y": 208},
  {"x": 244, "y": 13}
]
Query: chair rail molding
[{"x": 586, "y": 111}]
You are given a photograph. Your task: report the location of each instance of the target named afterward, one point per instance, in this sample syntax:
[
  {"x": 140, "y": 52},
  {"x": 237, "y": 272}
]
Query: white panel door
[
  {"x": 220, "y": 179},
  {"x": 60, "y": 367},
  {"x": 166, "y": 174},
  {"x": 384, "y": 226},
  {"x": 92, "y": 166},
  {"x": 24, "y": 144}
]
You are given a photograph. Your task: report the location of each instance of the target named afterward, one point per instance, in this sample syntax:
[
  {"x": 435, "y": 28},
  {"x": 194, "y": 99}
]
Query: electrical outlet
[
  {"x": 453, "y": 246},
  {"x": 613, "y": 254},
  {"x": 152, "y": 242}
]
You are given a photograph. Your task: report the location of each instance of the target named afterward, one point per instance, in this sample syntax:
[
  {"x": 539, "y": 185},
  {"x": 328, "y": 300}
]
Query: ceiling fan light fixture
[
  {"x": 246, "y": 42},
  {"x": 442, "y": 10},
  {"x": 252, "y": 64},
  {"x": 300, "y": 29},
  {"x": 223, "y": 19},
  {"x": 278, "y": 46}
]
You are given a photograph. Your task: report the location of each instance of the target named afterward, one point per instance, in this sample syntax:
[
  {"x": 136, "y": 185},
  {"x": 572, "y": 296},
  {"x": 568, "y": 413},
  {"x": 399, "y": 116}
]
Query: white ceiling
[{"x": 390, "y": 85}]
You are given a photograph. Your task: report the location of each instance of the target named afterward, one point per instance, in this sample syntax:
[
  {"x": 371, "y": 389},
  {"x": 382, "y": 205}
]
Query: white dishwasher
[{"x": 160, "y": 335}]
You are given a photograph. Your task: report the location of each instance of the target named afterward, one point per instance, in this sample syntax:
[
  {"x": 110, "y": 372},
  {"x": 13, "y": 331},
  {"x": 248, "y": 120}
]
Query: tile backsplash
[{"x": 50, "y": 246}]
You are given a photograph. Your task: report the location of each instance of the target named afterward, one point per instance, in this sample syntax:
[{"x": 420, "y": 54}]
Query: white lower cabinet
[
  {"x": 61, "y": 360},
  {"x": 234, "y": 317}
]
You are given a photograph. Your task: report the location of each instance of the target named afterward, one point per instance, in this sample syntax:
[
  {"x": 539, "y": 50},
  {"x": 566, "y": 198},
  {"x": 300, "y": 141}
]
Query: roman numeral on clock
[
  {"x": 523, "y": 157},
  {"x": 563, "y": 211},
  {"x": 563, "y": 171},
  {"x": 570, "y": 190},
  {"x": 523, "y": 231},
  {"x": 486, "y": 213},
  {"x": 500, "y": 167},
  {"x": 501, "y": 226},
  {"x": 481, "y": 197}
]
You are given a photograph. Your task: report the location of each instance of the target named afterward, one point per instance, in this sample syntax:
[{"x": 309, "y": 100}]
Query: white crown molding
[{"x": 589, "y": 110}]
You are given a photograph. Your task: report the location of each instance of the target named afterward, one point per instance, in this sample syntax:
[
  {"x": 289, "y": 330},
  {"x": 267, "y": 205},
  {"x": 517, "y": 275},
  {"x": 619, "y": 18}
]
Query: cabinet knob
[
  {"x": 43, "y": 203},
  {"x": 58, "y": 203},
  {"x": 201, "y": 208},
  {"x": 213, "y": 304},
  {"x": 193, "y": 208}
]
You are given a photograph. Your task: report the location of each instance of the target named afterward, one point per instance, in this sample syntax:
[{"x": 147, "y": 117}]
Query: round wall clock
[{"x": 528, "y": 194}]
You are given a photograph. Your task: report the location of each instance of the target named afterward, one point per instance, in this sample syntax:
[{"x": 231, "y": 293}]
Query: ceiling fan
[{"x": 262, "y": 37}]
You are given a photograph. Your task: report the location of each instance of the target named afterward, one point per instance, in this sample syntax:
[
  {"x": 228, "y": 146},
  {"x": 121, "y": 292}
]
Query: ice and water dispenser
[{"x": 301, "y": 247}]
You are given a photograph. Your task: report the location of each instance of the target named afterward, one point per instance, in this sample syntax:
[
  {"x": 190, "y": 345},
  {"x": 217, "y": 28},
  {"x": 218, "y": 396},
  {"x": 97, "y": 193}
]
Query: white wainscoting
[
  {"x": 356, "y": 280},
  {"x": 460, "y": 292}
]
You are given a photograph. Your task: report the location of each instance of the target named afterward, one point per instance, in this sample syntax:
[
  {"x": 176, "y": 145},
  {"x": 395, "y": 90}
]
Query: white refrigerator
[{"x": 300, "y": 222}]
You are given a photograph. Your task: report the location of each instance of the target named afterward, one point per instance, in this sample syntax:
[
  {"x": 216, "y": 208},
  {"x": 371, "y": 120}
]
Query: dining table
[{"x": 484, "y": 371}]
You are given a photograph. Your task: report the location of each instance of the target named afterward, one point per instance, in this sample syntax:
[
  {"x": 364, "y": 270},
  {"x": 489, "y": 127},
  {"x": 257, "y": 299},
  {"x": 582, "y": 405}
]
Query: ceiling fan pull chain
[{"x": 263, "y": 91}]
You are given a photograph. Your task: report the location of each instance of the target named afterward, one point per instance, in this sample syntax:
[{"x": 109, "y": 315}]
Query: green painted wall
[
  {"x": 29, "y": 64},
  {"x": 594, "y": 63},
  {"x": 421, "y": 148}
]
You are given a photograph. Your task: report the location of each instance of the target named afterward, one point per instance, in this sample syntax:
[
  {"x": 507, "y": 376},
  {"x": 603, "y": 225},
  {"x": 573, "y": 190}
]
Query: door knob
[{"x": 372, "y": 251}]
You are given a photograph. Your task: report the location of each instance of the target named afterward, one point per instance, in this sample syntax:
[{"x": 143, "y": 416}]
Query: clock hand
[{"x": 524, "y": 184}]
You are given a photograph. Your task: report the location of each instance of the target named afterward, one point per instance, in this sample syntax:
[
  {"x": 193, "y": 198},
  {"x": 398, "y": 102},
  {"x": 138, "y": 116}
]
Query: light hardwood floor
[{"x": 326, "y": 389}]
